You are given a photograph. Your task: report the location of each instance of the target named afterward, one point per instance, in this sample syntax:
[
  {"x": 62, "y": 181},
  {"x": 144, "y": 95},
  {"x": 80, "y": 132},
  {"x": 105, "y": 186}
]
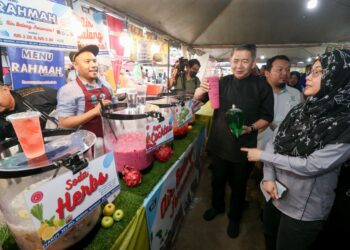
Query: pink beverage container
[
  {"x": 214, "y": 91},
  {"x": 28, "y": 131}
]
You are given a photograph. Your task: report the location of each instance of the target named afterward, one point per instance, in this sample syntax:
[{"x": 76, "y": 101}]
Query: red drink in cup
[
  {"x": 28, "y": 131},
  {"x": 214, "y": 91}
]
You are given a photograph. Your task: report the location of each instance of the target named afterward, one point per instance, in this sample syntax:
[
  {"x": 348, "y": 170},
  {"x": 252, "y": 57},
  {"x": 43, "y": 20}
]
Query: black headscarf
[{"x": 324, "y": 118}]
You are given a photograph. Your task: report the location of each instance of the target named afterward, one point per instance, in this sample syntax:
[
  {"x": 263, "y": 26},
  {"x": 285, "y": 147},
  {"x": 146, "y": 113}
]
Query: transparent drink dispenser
[
  {"x": 19, "y": 175},
  {"x": 180, "y": 128},
  {"x": 124, "y": 130}
]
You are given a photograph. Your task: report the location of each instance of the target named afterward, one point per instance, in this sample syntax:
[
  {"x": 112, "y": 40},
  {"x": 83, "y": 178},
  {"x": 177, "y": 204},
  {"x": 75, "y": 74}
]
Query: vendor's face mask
[{"x": 193, "y": 74}]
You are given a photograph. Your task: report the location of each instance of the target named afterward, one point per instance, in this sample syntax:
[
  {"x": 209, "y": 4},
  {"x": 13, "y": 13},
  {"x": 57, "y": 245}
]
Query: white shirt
[{"x": 283, "y": 103}]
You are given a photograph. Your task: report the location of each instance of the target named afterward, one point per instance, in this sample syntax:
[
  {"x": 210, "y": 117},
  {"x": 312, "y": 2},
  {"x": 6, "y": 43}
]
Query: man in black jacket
[
  {"x": 255, "y": 98},
  {"x": 38, "y": 98}
]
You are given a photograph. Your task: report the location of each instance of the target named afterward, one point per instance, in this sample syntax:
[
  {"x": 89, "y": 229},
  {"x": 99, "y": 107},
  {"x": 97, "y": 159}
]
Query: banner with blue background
[{"x": 36, "y": 67}]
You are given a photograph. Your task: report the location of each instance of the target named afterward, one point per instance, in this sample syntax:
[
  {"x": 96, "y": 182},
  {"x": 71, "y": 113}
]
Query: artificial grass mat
[{"x": 129, "y": 199}]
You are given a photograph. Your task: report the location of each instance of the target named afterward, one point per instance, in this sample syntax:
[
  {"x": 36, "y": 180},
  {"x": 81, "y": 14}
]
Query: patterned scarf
[{"x": 324, "y": 118}]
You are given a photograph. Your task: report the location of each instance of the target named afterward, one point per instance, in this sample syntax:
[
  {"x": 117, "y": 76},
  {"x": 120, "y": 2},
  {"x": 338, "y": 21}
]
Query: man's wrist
[{"x": 252, "y": 128}]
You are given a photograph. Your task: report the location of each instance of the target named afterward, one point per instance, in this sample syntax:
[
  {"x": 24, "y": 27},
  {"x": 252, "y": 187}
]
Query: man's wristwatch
[{"x": 252, "y": 128}]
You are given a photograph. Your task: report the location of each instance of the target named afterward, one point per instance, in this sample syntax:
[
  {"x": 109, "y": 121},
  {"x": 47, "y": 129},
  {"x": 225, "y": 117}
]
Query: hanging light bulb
[
  {"x": 311, "y": 4},
  {"x": 155, "y": 48},
  {"x": 125, "y": 38}
]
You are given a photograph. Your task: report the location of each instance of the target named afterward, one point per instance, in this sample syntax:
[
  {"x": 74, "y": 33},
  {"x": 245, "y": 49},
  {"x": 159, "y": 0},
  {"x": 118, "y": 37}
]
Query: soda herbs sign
[{"x": 75, "y": 197}]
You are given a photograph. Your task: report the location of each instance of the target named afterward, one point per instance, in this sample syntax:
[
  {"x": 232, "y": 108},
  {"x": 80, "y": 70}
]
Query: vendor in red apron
[{"x": 78, "y": 101}]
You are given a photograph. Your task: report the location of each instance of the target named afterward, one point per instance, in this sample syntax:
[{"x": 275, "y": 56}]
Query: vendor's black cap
[{"x": 91, "y": 48}]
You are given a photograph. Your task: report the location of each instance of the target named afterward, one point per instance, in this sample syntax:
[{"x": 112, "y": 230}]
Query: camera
[{"x": 183, "y": 62}]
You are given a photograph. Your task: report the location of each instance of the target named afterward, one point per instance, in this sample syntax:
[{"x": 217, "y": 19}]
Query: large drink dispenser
[
  {"x": 19, "y": 175},
  {"x": 182, "y": 111},
  {"x": 124, "y": 131}
]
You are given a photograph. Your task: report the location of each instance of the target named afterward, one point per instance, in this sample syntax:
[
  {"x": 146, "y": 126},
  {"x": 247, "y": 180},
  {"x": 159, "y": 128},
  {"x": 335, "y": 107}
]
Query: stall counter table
[{"x": 134, "y": 231}]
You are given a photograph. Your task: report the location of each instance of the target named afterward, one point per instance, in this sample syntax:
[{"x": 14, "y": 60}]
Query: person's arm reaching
[
  {"x": 78, "y": 120},
  {"x": 201, "y": 93},
  {"x": 319, "y": 162}
]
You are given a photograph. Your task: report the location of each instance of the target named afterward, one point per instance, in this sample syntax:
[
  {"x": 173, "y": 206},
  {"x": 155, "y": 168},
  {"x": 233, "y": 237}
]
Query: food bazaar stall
[{"x": 132, "y": 232}]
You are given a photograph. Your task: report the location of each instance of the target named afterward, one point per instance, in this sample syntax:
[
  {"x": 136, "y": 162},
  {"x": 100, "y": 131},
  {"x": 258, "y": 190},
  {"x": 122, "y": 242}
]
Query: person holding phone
[{"x": 306, "y": 154}]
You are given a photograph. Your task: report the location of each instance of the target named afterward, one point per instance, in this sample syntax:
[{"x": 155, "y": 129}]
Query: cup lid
[
  {"x": 61, "y": 143},
  {"x": 23, "y": 115}
]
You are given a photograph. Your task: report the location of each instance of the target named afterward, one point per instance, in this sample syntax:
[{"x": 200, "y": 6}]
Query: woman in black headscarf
[{"x": 306, "y": 155}]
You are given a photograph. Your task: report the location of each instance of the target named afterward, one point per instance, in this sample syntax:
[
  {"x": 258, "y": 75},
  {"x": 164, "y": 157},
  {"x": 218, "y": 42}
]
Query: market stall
[{"x": 133, "y": 231}]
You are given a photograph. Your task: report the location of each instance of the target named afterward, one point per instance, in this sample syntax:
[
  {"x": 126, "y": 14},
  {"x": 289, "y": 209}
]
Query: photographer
[{"x": 184, "y": 75}]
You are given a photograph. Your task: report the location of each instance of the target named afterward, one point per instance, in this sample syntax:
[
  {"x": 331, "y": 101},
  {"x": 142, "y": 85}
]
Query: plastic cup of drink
[
  {"x": 214, "y": 91},
  {"x": 141, "y": 93},
  {"x": 132, "y": 98},
  {"x": 28, "y": 131}
]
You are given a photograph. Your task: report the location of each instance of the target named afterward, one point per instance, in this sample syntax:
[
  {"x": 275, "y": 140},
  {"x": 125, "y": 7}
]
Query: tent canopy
[{"x": 276, "y": 26}]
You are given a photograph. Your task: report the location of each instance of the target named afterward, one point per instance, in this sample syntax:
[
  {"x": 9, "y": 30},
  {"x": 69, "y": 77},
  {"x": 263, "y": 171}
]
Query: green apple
[
  {"x": 109, "y": 209},
  {"x": 107, "y": 221},
  {"x": 118, "y": 215}
]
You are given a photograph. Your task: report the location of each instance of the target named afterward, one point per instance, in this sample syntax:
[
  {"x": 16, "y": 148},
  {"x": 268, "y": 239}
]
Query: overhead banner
[
  {"x": 36, "y": 67},
  {"x": 161, "y": 57},
  {"x": 58, "y": 1},
  {"x": 105, "y": 71},
  {"x": 115, "y": 26},
  {"x": 39, "y": 23},
  {"x": 93, "y": 28}
]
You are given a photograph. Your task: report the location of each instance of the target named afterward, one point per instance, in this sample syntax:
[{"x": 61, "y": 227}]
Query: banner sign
[
  {"x": 159, "y": 133},
  {"x": 38, "y": 23},
  {"x": 74, "y": 197},
  {"x": 94, "y": 27},
  {"x": 161, "y": 57},
  {"x": 144, "y": 53},
  {"x": 183, "y": 113},
  {"x": 115, "y": 26},
  {"x": 58, "y": 1},
  {"x": 36, "y": 67},
  {"x": 167, "y": 204}
]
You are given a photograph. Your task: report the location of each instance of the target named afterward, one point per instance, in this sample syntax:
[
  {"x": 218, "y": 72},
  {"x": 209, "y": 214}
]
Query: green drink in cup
[{"x": 235, "y": 119}]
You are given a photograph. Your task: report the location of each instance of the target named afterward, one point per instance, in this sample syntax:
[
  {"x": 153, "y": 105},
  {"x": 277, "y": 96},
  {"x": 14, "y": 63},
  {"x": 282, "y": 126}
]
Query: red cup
[{"x": 214, "y": 91}]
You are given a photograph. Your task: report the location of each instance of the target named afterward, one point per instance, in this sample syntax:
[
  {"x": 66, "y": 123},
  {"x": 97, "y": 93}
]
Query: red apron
[{"x": 92, "y": 98}]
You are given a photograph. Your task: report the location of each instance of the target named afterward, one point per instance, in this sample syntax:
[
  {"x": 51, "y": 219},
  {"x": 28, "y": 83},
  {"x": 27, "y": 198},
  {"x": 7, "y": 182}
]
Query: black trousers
[
  {"x": 236, "y": 174},
  {"x": 285, "y": 233},
  {"x": 337, "y": 227}
]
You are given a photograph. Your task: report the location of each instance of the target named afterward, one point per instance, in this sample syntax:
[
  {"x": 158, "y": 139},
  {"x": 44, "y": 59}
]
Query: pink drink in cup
[
  {"x": 28, "y": 131},
  {"x": 214, "y": 91}
]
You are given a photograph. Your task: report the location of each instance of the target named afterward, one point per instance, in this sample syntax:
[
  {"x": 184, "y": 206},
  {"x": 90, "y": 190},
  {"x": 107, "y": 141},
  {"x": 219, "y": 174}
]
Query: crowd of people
[
  {"x": 308, "y": 146},
  {"x": 299, "y": 130}
]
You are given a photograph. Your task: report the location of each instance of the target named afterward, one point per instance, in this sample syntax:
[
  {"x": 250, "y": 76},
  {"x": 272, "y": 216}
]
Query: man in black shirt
[
  {"x": 255, "y": 98},
  {"x": 38, "y": 98}
]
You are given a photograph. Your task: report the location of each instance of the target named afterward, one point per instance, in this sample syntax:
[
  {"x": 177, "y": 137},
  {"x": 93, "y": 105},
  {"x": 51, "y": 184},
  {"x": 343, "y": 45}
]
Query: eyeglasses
[{"x": 316, "y": 73}]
